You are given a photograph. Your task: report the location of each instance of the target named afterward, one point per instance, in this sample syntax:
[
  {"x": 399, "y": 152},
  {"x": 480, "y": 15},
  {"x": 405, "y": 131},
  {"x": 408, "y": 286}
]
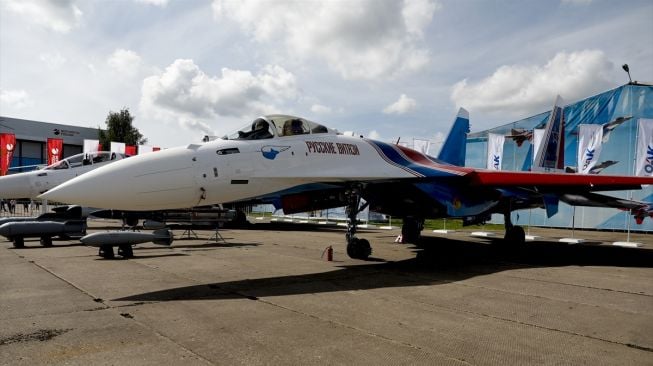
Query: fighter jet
[
  {"x": 300, "y": 165},
  {"x": 31, "y": 184}
]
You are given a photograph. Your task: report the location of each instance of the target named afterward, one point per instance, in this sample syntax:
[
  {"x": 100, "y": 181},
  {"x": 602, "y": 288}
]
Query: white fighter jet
[
  {"x": 300, "y": 165},
  {"x": 31, "y": 184}
]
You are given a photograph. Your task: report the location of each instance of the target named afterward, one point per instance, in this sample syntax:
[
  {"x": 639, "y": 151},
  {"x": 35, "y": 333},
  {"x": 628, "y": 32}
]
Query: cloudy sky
[{"x": 383, "y": 68}]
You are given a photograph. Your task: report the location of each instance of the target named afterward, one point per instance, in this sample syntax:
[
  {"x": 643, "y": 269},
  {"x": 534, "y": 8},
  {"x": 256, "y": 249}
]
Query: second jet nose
[
  {"x": 16, "y": 186},
  {"x": 153, "y": 181}
]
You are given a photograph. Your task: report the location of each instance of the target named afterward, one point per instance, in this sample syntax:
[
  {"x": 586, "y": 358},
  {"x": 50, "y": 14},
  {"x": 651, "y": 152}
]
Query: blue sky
[{"x": 381, "y": 68}]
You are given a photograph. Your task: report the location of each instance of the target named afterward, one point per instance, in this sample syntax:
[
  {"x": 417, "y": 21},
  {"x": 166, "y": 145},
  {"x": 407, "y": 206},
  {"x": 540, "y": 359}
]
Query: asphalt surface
[{"x": 267, "y": 296}]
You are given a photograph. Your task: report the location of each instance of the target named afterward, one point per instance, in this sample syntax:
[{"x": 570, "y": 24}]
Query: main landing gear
[
  {"x": 356, "y": 248},
  {"x": 515, "y": 236},
  {"x": 411, "y": 230}
]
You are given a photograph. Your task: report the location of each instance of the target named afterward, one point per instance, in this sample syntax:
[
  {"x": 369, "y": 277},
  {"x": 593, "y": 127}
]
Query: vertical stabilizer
[
  {"x": 454, "y": 149},
  {"x": 550, "y": 155}
]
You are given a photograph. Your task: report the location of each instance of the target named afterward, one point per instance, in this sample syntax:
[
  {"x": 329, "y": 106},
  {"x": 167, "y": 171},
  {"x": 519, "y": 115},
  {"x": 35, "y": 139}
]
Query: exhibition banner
[
  {"x": 644, "y": 145},
  {"x": 91, "y": 146},
  {"x": 55, "y": 150},
  {"x": 495, "y": 151},
  {"x": 7, "y": 147},
  {"x": 590, "y": 139},
  {"x": 142, "y": 149},
  {"x": 118, "y": 147}
]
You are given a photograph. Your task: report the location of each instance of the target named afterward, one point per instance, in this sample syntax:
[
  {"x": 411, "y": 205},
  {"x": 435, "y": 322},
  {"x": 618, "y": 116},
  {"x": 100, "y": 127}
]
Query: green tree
[{"x": 120, "y": 129}]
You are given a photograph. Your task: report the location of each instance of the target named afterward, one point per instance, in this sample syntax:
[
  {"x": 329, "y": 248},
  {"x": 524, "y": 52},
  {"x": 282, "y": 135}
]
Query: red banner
[
  {"x": 130, "y": 150},
  {"x": 55, "y": 150},
  {"x": 7, "y": 146}
]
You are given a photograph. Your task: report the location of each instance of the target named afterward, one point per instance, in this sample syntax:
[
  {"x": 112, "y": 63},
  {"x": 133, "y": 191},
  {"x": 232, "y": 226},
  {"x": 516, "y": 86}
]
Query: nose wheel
[{"x": 356, "y": 248}]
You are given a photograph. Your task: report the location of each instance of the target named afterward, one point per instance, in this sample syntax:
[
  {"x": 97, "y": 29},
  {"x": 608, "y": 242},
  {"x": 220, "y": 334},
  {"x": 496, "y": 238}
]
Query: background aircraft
[
  {"x": 300, "y": 166},
  {"x": 31, "y": 184}
]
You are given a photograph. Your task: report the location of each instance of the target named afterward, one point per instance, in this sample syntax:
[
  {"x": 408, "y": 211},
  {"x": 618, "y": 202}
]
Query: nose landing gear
[{"x": 356, "y": 248}]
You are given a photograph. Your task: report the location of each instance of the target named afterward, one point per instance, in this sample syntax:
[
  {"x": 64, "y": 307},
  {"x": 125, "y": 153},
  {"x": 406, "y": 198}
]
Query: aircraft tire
[
  {"x": 106, "y": 252},
  {"x": 126, "y": 251},
  {"x": 515, "y": 236},
  {"x": 410, "y": 230},
  {"x": 46, "y": 241},
  {"x": 359, "y": 248},
  {"x": 19, "y": 242}
]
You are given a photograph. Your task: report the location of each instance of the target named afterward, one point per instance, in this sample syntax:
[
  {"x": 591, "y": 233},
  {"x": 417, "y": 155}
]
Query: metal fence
[{"x": 21, "y": 208}]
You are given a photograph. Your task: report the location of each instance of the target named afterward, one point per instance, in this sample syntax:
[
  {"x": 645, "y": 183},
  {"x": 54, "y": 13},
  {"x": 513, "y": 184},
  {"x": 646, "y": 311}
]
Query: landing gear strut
[
  {"x": 356, "y": 248},
  {"x": 515, "y": 235}
]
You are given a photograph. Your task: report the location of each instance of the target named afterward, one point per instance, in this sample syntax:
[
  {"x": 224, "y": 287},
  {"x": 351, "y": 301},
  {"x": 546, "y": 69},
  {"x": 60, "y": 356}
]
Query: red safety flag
[
  {"x": 130, "y": 150},
  {"x": 55, "y": 150},
  {"x": 7, "y": 146}
]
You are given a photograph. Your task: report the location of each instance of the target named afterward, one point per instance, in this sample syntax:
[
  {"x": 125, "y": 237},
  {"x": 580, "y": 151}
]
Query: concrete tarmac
[{"x": 266, "y": 296}]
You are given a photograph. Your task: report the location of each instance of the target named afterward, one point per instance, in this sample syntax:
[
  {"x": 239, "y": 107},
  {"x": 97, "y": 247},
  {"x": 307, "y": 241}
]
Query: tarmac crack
[
  {"x": 459, "y": 310},
  {"x": 581, "y": 286},
  {"x": 94, "y": 298},
  {"x": 356, "y": 329}
]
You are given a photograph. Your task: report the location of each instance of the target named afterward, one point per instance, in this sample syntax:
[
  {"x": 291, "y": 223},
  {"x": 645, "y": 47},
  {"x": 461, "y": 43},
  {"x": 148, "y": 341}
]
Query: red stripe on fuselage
[{"x": 421, "y": 159}]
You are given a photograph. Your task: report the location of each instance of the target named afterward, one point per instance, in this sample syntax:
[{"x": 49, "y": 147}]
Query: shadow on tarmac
[
  {"x": 437, "y": 261},
  {"x": 36, "y": 244},
  {"x": 140, "y": 256}
]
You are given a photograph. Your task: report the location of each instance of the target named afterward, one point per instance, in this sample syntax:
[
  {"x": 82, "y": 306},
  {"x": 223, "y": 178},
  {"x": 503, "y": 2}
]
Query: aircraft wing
[{"x": 556, "y": 181}]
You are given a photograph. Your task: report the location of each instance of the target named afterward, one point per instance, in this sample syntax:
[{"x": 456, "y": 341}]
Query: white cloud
[
  {"x": 364, "y": 39},
  {"x": 402, "y": 105},
  {"x": 318, "y": 108},
  {"x": 52, "y": 61},
  {"x": 125, "y": 62},
  {"x": 197, "y": 125},
  {"x": 518, "y": 90},
  {"x": 576, "y": 2},
  {"x": 374, "y": 135},
  {"x": 17, "y": 99},
  {"x": 161, "y": 3},
  {"x": 60, "y": 16},
  {"x": 185, "y": 94}
]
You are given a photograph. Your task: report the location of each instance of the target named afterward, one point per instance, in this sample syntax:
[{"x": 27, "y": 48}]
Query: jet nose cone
[
  {"x": 16, "y": 186},
  {"x": 153, "y": 181}
]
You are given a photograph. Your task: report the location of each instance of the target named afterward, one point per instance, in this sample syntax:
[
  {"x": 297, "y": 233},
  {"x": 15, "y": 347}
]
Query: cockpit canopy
[
  {"x": 278, "y": 125},
  {"x": 85, "y": 159}
]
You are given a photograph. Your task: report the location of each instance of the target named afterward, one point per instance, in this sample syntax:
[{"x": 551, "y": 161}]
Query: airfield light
[{"x": 627, "y": 69}]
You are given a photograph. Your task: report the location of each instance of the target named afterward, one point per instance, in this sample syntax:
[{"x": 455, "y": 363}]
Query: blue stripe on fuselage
[{"x": 395, "y": 157}]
